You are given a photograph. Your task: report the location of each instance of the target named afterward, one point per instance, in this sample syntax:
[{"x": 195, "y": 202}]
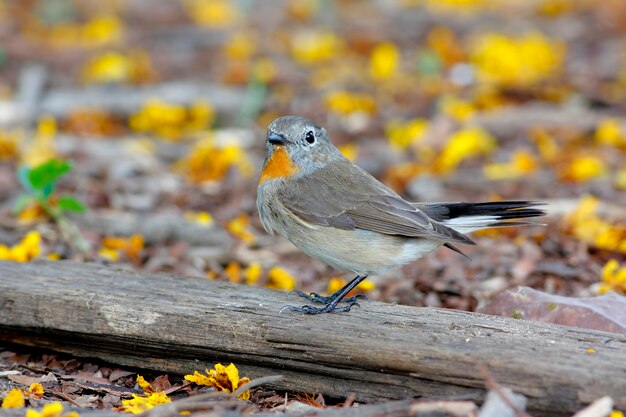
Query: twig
[
  {"x": 491, "y": 384},
  {"x": 66, "y": 398},
  {"x": 349, "y": 400},
  {"x": 255, "y": 383}
]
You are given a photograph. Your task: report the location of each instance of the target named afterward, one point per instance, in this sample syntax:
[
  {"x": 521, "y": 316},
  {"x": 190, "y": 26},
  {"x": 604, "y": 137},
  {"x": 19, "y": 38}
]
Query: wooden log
[{"x": 379, "y": 352}]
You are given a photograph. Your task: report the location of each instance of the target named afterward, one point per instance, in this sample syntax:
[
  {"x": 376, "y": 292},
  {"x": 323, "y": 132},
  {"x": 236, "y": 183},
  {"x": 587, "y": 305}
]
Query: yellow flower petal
[
  {"x": 384, "y": 61},
  {"x": 516, "y": 61},
  {"x": 463, "y": 144},
  {"x": 14, "y": 399},
  {"x": 252, "y": 273},
  {"x": 52, "y": 410},
  {"x": 145, "y": 385},
  {"x": 36, "y": 390},
  {"x": 280, "y": 279}
]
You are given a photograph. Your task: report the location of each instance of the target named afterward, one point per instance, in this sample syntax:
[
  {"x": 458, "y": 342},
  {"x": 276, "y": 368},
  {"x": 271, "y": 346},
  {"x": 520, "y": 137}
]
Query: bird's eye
[{"x": 310, "y": 136}]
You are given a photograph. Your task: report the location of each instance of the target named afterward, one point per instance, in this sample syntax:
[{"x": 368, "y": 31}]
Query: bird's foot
[
  {"x": 316, "y": 298},
  {"x": 327, "y": 308}
]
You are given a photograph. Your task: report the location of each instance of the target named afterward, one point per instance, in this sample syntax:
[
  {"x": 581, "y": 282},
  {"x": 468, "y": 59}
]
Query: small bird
[{"x": 335, "y": 212}]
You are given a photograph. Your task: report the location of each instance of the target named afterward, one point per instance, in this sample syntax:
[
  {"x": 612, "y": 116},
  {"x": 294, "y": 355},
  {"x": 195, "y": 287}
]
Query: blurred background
[{"x": 132, "y": 132}]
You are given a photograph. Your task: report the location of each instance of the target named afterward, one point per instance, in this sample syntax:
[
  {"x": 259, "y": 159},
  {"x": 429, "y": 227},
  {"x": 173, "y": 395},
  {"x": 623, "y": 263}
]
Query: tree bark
[{"x": 379, "y": 352}]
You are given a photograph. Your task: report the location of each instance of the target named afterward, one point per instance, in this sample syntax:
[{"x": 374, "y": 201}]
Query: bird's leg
[
  {"x": 317, "y": 298},
  {"x": 330, "y": 302}
]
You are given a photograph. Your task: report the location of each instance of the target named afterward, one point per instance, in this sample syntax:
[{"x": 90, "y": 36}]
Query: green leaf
[
  {"x": 22, "y": 178},
  {"x": 47, "y": 173},
  {"x": 47, "y": 190},
  {"x": 71, "y": 204},
  {"x": 22, "y": 201}
]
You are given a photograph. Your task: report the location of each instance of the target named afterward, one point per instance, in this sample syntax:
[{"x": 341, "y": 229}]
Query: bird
[{"x": 336, "y": 212}]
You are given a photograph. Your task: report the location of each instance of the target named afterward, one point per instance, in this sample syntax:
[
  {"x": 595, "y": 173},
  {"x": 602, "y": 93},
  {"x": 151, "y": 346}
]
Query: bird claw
[
  {"x": 328, "y": 308},
  {"x": 321, "y": 299}
]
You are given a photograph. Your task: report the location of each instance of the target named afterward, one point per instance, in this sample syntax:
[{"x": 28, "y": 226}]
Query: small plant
[{"x": 40, "y": 186}]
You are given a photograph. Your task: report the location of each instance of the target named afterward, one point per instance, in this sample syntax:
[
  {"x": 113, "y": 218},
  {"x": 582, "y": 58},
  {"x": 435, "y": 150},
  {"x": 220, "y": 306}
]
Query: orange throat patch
[{"x": 279, "y": 165}]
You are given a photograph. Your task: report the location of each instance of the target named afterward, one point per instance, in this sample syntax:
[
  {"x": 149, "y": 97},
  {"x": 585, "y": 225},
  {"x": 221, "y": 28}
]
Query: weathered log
[{"x": 379, "y": 352}]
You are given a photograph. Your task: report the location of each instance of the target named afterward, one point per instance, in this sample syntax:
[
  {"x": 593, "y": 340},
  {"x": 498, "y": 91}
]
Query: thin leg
[
  {"x": 316, "y": 298},
  {"x": 330, "y": 302}
]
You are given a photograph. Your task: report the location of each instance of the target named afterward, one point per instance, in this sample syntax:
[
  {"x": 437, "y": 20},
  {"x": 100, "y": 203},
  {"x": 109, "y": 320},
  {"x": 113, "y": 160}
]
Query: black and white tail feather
[{"x": 469, "y": 217}]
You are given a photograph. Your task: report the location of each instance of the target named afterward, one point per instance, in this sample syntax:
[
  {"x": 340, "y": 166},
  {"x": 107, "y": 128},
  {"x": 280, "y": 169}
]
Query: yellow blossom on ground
[
  {"x": 313, "y": 46},
  {"x": 610, "y": 132},
  {"x": 202, "y": 218},
  {"x": 252, "y": 273},
  {"x": 384, "y": 61},
  {"x": 464, "y": 144},
  {"x": 280, "y": 279},
  {"x": 172, "y": 121},
  {"x": 584, "y": 168},
  {"x": 516, "y": 61},
  {"x": 240, "y": 227},
  {"x": 14, "y": 399},
  {"x": 222, "y": 378},
  {"x": 139, "y": 404},
  {"x": 54, "y": 409},
  {"x": 240, "y": 46},
  {"x": 456, "y": 108},
  {"x": 613, "y": 278},
  {"x": 336, "y": 283},
  {"x": 208, "y": 162},
  {"x": 586, "y": 225},
  {"x": 401, "y": 134},
  {"x": 212, "y": 13},
  {"x": 522, "y": 163},
  {"x": 42, "y": 148},
  {"x": 97, "y": 32},
  {"x": 114, "y": 246},
  {"x": 455, "y": 6},
  {"x": 102, "y": 30},
  {"x": 106, "y": 68},
  {"x": 24, "y": 251},
  {"x": 35, "y": 390},
  {"x": 111, "y": 255},
  {"x": 233, "y": 271},
  {"x": 9, "y": 144},
  {"x": 144, "y": 385},
  {"x": 115, "y": 67},
  {"x": 150, "y": 399},
  {"x": 344, "y": 102}
]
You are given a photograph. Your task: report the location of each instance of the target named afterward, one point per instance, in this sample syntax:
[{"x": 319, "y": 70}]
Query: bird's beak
[{"x": 276, "y": 139}]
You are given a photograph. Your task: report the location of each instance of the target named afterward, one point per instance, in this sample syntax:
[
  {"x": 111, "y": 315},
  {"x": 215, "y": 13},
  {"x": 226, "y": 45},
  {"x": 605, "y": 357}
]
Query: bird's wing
[{"x": 344, "y": 196}]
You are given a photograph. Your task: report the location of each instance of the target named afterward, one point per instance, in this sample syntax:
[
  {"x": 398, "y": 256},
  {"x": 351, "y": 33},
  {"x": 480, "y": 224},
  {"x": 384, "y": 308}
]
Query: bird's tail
[{"x": 469, "y": 217}]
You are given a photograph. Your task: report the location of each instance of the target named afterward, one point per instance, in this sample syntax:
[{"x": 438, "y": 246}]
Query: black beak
[{"x": 276, "y": 139}]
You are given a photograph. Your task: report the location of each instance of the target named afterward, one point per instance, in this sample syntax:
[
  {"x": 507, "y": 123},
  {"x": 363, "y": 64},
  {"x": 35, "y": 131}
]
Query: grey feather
[{"x": 342, "y": 195}]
